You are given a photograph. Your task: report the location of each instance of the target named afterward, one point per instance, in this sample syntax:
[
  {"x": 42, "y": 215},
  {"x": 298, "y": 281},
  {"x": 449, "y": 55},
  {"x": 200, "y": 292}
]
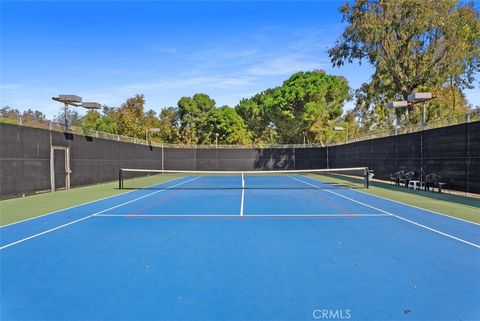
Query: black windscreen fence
[
  {"x": 26, "y": 166},
  {"x": 451, "y": 152}
]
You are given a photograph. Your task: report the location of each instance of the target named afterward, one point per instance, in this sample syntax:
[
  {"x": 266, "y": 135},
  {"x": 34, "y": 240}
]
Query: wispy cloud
[
  {"x": 165, "y": 50},
  {"x": 11, "y": 87},
  {"x": 283, "y": 65},
  {"x": 183, "y": 82}
]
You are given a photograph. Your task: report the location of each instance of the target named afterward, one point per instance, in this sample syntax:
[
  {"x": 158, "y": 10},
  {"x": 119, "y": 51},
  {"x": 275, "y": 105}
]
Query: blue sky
[{"x": 109, "y": 51}]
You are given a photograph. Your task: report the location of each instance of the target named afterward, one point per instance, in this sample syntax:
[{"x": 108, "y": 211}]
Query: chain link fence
[{"x": 471, "y": 116}]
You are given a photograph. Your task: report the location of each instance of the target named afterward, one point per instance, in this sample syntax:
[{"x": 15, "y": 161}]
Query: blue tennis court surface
[{"x": 183, "y": 250}]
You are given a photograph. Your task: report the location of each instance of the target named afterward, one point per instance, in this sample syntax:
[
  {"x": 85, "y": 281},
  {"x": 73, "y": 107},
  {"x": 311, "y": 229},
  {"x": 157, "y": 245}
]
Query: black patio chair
[
  {"x": 395, "y": 177},
  {"x": 433, "y": 180}
]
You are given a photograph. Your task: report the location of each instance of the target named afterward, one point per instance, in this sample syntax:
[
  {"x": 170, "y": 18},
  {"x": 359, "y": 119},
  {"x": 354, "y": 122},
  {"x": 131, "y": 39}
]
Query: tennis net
[{"x": 357, "y": 177}]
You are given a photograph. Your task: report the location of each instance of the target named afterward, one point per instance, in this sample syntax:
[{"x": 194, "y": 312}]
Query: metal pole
[
  {"x": 328, "y": 164},
  {"x": 423, "y": 115},
  {"x": 421, "y": 156},
  {"x": 66, "y": 120},
  {"x": 120, "y": 179},
  {"x": 163, "y": 158}
]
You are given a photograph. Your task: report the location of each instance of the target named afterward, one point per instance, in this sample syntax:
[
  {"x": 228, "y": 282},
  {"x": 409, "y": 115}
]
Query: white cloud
[
  {"x": 166, "y": 50},
  {"x": 283, "y": 65},
  {"x": 4, "y": 87}
]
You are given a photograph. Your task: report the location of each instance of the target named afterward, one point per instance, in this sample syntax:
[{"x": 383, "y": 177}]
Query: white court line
[
  {"x": 94, "y": 214},
  {"x": 405, "y": 204},
  {"x": 361, "y": 203},
  {"x": 242, "y": 201},
  {"x": 423, "y": 209},
  {"x": 399, "y": 217},
  {"x": 86, "y": 203},
  {"x": 235, "y": 215}
]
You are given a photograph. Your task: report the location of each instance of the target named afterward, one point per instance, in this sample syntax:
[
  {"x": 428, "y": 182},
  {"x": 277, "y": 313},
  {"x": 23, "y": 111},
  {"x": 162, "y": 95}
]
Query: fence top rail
[{"x": 472, "y": 116}]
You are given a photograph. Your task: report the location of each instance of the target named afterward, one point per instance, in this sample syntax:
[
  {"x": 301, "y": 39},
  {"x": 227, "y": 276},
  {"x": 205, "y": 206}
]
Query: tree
[
  {"x": 104, "y": 122},
  {"x": 169, "y": 125},
  {"x": 130, "y": 118},
  {"x": 252, "y": 112},
  {"x": 229, "y": 126},
  {"x": 299, "y": 111},
  {"x": 412, "y": 44},
  {"x": 34, "y": 114},
  {"x": 73, "y": 117},
  {"x": 193, "y": 113}
]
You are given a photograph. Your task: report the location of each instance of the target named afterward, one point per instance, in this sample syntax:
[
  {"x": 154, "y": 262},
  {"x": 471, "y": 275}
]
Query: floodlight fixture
[
  {"x": 74, "y": 100},
  {"x": 68, "y": 99},
  {"x": 420, "y": 97},
  {"x": 153, "y": 129},
  {"x": 398, "y": 104},
  {"x": 341, "y": 129},
  {"x": 91, "y": 105},
  {"x": 412, "y": 99}
]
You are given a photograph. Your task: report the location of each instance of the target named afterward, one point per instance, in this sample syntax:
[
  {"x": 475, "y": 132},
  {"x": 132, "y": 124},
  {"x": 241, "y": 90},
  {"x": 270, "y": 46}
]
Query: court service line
[
  {"x": 86, "y": 203},
  {"x": 246, "y": 215},
  {"x": 91, "y": 215},
  {"x": 242, "y": 201},
  {"x": 398, "y": 217}
]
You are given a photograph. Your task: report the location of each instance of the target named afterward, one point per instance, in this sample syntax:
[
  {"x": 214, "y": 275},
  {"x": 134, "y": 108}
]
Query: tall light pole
[
  {"x": 154, "y": 130},
  {"x": 421, "y": 98},
  {"x": 341, "y": 129},
  {"x": 414, "y": 98},
  {"x": 216, "y": 140},
  {"x": 76, "y": 101}
]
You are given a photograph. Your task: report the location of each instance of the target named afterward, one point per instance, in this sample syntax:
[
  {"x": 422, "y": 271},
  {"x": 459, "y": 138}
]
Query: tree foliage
[
  {"x": 15, "y": 113},
  {"x": 201, "y": 122},
  {"x": 301, "y": 110},
  {"x": 105, "y": 122},
  {"x": 73, "y": 117},
  {"x": 412, "y": 44}
]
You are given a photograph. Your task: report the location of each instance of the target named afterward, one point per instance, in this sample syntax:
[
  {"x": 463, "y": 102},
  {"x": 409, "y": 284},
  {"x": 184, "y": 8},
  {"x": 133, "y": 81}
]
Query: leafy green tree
[
  {"x": 229, "y": 126},
  {"x": 252, "y": 112},
  {"x": 169, "y": 125},
  {"x": 299, "y": 111},
  {"x": 91, "y": 120},
  {"x": 130, "y": 118},
  {"x": 105, "y": 122},
  {"x": 193, "y": 113},
  {"x": 412, "y": 44}
]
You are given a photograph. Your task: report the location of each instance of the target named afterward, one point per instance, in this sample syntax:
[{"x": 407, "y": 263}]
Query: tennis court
[{"x": 290, "y": 246}]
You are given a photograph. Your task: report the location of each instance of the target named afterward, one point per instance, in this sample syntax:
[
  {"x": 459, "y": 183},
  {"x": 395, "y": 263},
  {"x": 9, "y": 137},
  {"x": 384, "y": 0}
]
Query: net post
[
  {"x": 120, "y": 179},
  {"x": 243, "y": 180},
  {"x": 367, "y": 177}
]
